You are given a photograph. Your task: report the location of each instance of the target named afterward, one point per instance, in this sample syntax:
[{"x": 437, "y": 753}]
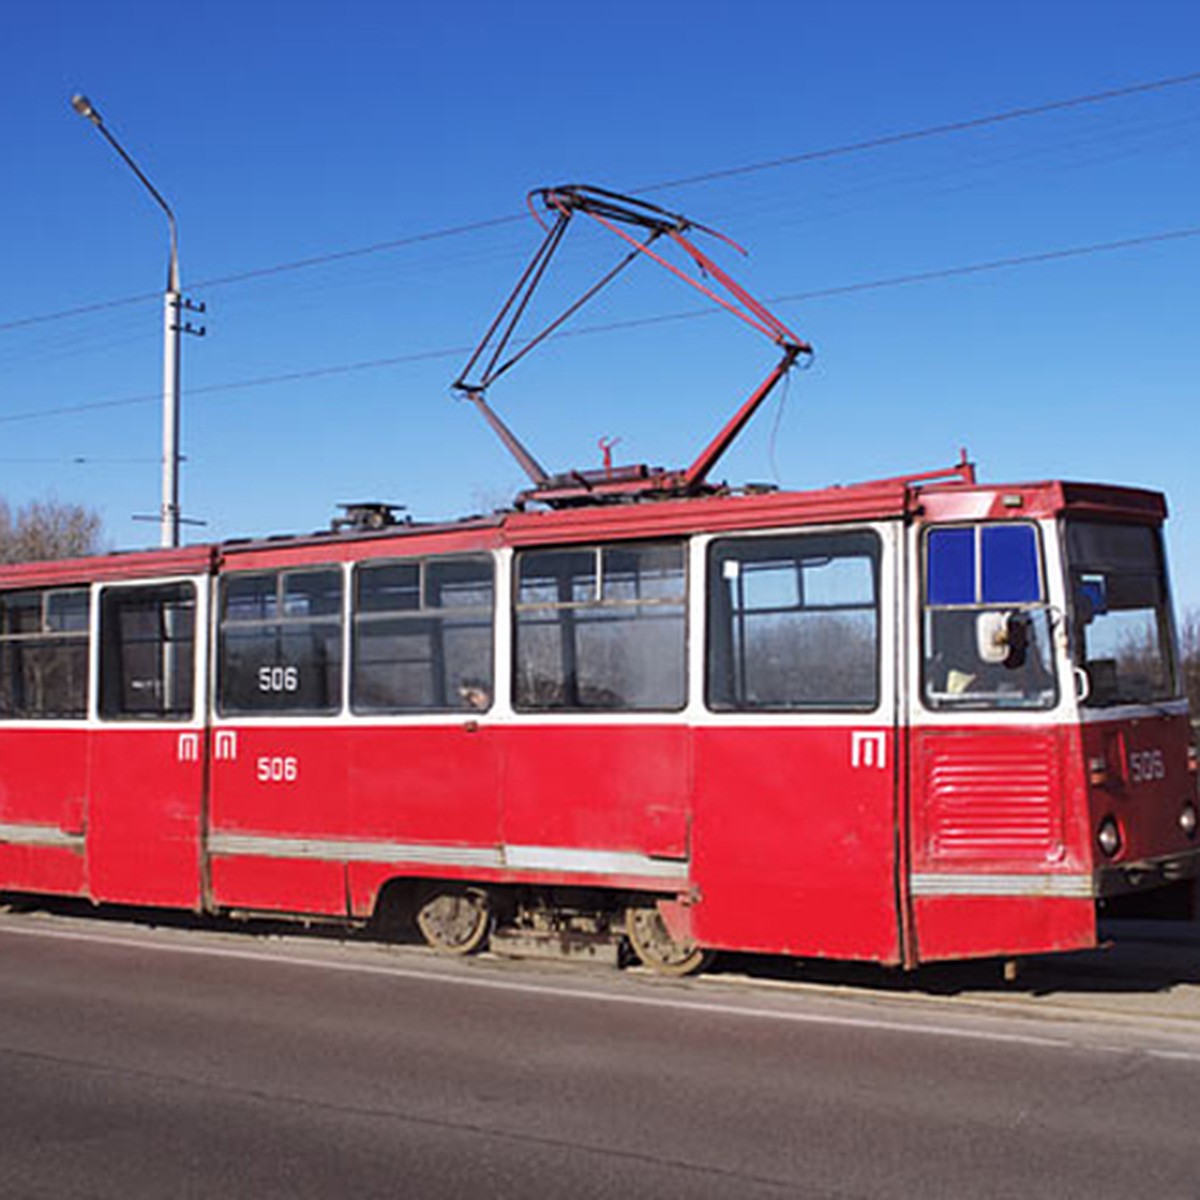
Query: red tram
[
  {"x": 916, "y": 719},
  {"x": 901, "y": 721}
]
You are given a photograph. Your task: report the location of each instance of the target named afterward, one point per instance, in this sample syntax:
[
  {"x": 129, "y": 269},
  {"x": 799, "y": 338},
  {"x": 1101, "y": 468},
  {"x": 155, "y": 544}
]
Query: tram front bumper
[{"x": 1119, "y": 879}]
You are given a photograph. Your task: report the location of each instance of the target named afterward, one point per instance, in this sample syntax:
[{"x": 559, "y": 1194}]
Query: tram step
[{"x": 526, "y": 943}]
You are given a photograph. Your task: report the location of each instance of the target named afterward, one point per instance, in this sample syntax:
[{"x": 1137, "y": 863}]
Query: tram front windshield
[{"x": 1121, "y": 614}]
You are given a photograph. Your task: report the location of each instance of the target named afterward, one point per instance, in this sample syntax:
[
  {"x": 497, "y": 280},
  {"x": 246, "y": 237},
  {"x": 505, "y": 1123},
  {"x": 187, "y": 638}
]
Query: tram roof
[{"x": 724, "y": 512}]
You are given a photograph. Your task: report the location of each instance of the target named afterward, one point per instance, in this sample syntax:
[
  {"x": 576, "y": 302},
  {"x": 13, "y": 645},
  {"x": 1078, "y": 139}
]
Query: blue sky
[{"x": 284, "y": 131}]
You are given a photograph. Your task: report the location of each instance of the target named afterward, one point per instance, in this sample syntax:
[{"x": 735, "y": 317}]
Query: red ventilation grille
[{"x": 992, "y": 796}]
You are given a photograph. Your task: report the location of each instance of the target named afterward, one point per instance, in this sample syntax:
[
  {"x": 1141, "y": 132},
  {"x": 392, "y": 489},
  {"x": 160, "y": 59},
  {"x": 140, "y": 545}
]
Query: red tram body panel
[{"x": 894, "y": 722}]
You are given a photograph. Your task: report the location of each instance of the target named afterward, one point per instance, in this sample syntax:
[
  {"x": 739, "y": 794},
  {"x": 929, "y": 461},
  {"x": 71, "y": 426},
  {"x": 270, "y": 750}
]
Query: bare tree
[
  {"x": 1189, "y": 648},
  {"x": 48, "y": 529}
]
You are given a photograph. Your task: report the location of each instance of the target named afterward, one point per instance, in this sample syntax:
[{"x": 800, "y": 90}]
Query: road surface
[{"x": 173, "y": 1062}]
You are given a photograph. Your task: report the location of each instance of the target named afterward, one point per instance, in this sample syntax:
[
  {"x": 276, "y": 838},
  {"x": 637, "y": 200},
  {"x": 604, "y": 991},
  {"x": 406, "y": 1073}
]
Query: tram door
[
  {"x": 795, "y": 808},
  {"x": 277, "y": 829},
  {"x": 148, "y": 748}
]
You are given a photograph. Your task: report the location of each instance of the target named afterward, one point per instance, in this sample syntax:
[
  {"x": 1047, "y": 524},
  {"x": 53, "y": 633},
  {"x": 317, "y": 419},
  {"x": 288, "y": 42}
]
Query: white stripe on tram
[
  {"x": 530, "y": 858},
  {"x": 344, "y": 850},
  {"x": 593, "y": 862},
  {"x": 1074, "y": 887},
  {"x": 13, "y": 834}
]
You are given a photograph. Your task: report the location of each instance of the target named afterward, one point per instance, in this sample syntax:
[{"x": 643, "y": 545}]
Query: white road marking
[
  {"x": 673, "y": 1003},
  {"x": 1175, "y": 1055}
]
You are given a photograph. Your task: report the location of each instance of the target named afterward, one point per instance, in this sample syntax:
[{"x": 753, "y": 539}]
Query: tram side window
[
  {"x": 147, "y": 652},
  {"x": 423, "y": 636},
  {"x": 44, "y": 654},
  {"x": 601, "y": 628},
  {"x": 280, "y": 645},
  {"x": 986, "y": 628},
  {"x": 793, "y": 622}
]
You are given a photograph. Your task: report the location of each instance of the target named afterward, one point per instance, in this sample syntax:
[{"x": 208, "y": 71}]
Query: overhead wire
[
  {"x": 824, "y": 153},
  {"x": 79, "y": 460},
  {"x": 929, "y": 131},
  {"x": 1104, "y": 145},
  {"x": 969, "y": 169},
  {"x": 907, "y": 279},
  {"x": 930, "y": 276},
  {"x": 240, "y": 384}
]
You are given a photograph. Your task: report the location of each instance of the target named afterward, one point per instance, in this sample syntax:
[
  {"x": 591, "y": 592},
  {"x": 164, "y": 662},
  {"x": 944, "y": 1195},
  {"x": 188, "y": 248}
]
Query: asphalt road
[{"x": 140, "y": 1062}]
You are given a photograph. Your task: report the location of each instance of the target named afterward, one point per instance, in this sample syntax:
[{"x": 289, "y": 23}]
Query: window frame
[
  {"x": 359, "y": 617},
  {"x": 280, "y": 622},
  {"x": 597, "y": 547},
  {"x": 1166, "y": 628},
  {"x": 982, "y": 704},
  {"x": 44, "y": 635},
  {"x": 879, "y": 564},
  {"x": 105, "y": 649}
]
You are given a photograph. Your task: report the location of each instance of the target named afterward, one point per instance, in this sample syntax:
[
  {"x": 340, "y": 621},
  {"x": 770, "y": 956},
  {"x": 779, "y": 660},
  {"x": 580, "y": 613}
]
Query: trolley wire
[
  {"x": 929, "y": 131},
  {"x": 242, "y": 384},
  {"x": 297, "y": 264},
  {"x": 915, "y": 277},
  {"x": 911, "y": 278},
  {"x": 80, "y": 460},
  {"x": 861, "y": 146}
]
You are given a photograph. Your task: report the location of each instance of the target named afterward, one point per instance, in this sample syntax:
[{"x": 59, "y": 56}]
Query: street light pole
[{"x": 173, "y": 327}]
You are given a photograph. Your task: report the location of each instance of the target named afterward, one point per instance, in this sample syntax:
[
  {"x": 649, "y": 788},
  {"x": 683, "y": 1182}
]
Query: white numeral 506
[
  {"x": 278, "y": 679},
  {"x": 279, "y": 768}
]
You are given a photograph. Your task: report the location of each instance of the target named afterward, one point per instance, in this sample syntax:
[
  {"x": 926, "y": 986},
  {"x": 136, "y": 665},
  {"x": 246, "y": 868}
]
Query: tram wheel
[
  {"x": 454, "y": 919},
  {"x": 656, "y": 948}
]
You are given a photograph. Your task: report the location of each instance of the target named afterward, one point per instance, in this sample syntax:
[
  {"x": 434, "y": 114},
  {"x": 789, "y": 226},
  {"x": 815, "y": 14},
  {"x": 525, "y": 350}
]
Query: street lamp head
[{"x": 83, "y": 106}]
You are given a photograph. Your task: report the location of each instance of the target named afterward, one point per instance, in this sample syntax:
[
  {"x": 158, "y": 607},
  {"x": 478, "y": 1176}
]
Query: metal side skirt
[
  {"x": 1072, "y": 887},
  {"x": 39, "y": 835},
  {"x": 528, "y": 858}
]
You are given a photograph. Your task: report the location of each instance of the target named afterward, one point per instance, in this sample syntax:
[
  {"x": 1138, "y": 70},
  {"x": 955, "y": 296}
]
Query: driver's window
[{"x": 986, "y": 627}]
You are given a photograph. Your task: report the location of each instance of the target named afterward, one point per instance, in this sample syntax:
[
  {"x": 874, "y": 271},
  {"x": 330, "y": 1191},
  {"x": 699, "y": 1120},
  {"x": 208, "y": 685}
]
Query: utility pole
[{"x": 174, "y": 325}]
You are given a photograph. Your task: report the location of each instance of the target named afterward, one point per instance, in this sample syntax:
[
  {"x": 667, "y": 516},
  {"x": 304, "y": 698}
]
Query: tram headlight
[
  {"x": 1108, "y": 837},
  {"x": 1187, "y": 819}
]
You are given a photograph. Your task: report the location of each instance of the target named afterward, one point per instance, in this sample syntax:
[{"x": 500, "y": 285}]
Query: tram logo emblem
[
  {"x": 868, "y": 748},
  {"x": 188, "y": 749},
  {"x": 226, "y": 745}
]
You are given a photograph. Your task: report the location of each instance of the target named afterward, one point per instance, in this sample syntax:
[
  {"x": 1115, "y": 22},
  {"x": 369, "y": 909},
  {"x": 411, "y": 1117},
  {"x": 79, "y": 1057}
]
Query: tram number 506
[
  {"x": 278, "y": 768},
  {"x": 278, "y": 679}
]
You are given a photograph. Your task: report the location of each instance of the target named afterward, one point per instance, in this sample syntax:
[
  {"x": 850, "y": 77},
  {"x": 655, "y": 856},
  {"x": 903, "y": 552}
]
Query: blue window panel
[
  {"x": 951, "y": 566},
  {"x": 1010, "y": 565},
  {"x": 1091, "y": 597}
]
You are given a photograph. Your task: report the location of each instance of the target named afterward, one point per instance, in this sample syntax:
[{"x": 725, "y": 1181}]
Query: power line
[
  {"x": 930, "y": 131},
  {"x": 916, "y": 277},
  {"x": 263, "y": 272},
  {"x": 242, "y": 384},
  {"x": 995, "y": 264},
  {"x": 317, "y": 260},
  {"x": 77, "y": 460},
  {"x": 891, "y": 281},
  {"x": 79, "y": 311},
  {"x": 844, "y": 149}
]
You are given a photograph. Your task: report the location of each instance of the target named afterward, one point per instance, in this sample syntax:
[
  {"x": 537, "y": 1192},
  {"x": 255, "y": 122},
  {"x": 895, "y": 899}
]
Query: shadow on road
[{"x": 1138, "y": 956}]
